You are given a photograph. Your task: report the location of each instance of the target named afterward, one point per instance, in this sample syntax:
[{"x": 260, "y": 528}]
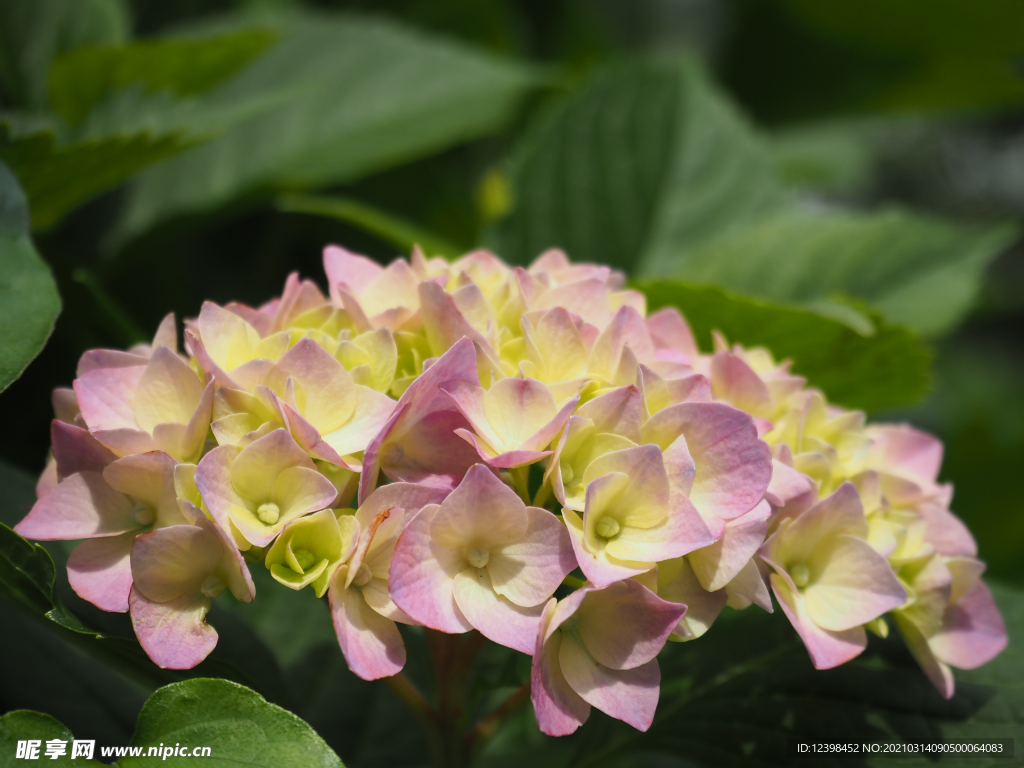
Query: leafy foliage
[
  {"x": 238, "y": 724},
  {"x": 881, "y": 369},
  {"x": 29, "y": 303},
  {"x": 357, "y": 95},
  {"x": 33, "y": 32},
  {"x": 183, "y": 66},
  {"x": 25, "y": 724},
  {"x": 649, "y": 167}
]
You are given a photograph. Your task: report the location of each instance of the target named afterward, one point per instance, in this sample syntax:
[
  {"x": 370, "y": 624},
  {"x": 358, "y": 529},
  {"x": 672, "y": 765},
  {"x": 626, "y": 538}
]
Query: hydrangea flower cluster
[{"x": 445, "y": 444}]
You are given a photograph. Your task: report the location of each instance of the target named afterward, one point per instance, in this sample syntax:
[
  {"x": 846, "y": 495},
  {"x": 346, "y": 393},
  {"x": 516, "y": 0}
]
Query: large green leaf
[
  {"x": 128, "y": 107},
  {"x": 33, "y": 32},
  {"x": 650, "y": 169},
  {"x": 24, "y": 725},
  {"x": 919, "y": 271},
  {"x": 361, "y": 95},
  {"x": 57, "y": 176},
  {"x": 29, "y": 303},
  {"x": 230, "y": 725},
  {"x": 239, "y": 726},
  {"x": 886, "y": 368},
  {"x": 183, "y": 66}
]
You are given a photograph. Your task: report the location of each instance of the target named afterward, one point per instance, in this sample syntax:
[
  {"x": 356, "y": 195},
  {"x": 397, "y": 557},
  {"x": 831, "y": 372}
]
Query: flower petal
[
  {"x": 827, "y": 649},
  {"x": 371, "y": 643},
  {"x": 630, "y": 695},
  {"x": 100, "y": 571},
  {"x": 421, "y": 576},
  {"x": 495, "y": 617},
  {"x": 174, "y": 634}
]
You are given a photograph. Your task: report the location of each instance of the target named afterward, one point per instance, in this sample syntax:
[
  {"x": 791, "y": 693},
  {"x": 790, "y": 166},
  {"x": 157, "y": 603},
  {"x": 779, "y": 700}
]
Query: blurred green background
[{"x": 841, "y": 180}]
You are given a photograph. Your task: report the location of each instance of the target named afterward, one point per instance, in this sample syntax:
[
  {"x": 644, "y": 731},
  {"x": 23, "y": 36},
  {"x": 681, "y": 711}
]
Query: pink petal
[
  {"x": 100, "y": 571},
  {"x": 735, "y": 382},
  {"x": 423, "y": 397},
  {"x": 669, "y": 330},
  {"x": 482, "y": 511},
  {"x": 973, "y": 631},
  {"x": 946, "y": 532},
  {"x": 213, "y": 478},
  {"x": 495, "y": 617},
  {"x": 175, "y": 634},
  {"x": 148, "y": 477},
  {"x": 630, "y": 695},
  {"x": 171, "y": 562},
  {"x": 528, "y": 571},
  {"x": 827, "y": 649},
  {"x": 619, "y": 411},
  {"x": 905, "y": 450},
  {"x": 75, "y": 450},
  {"x": 733, "y": 466},
  {"x": 559, "y": 709},
  {"x": 421, "y": 576},
  {"x": 625, "y": 625},
  {"x": 349, "y": 268},
  {"x": 718, "y": 564},
  {"x": 105, "y": 397},
  {"x": 96, "y": 359},
  {"x": 82, "y": 507},
  {"x": 372, "y": 644}
]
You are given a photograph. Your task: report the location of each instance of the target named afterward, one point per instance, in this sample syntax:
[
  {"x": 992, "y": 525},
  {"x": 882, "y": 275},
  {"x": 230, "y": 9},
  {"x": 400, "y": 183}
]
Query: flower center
[
  {"x": 567, "y": 473},
  {"x": 608, "y": 528},
  {"x": 305, "y": 558},
  {"x": 363, "y": 576},
  {"x": 143, "y": 514},
  {"x": 212, "y": 585},
  {"x": 801, "y": 574},
  {"x": 478, "y": 557},
  {"x": 268, "y": 513}
]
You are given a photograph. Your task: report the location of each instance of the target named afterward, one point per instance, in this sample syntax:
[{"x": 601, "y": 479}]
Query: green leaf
[
  {"x": 650, "y": 169},
  {"x": 888, "y": 368},
  {"x": 33, "y": 32},
  {"x": 384, "y": 225},
  {"x": 183, "y": 66},
  {"x": 23, "y": 724},
  {"x": 59, "y": 176},
  {"x": 239, "y": 726},
  {"x": 642, "y": 155},
  {"x": 361, "y": 95},
  {"x": 29, "y": 303},
  {"x": 920, "y": 272}
]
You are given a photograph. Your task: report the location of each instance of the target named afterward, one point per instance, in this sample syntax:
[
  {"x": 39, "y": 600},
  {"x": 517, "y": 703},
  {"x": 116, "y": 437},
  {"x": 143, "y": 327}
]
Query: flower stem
[
  {"x": 521, "y": 482},
  {"x": 486, "y": 728}
]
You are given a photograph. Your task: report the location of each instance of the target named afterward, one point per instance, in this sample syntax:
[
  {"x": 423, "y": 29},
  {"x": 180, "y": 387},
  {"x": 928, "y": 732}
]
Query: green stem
[
  {"x": 521, "y": 482},
  {"x": 543, "y": 494},
  {"x": 489, "y": 726},
  {"x": 572, "y": 581}
]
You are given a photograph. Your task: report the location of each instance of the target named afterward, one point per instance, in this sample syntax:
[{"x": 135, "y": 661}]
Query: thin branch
[
  {"x": 410, "y": 696},
  {"x": 489, "y": 725}
]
